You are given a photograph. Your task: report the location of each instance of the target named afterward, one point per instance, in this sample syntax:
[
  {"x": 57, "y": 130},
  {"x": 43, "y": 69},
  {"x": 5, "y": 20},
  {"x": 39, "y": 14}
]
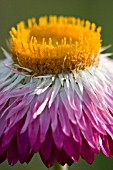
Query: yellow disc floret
[{"x": 55, "y": 44}]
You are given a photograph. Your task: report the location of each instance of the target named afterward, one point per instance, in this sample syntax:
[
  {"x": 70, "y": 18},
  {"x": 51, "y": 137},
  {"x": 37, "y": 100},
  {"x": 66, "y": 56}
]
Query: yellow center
[{"x": 55, "y": 45}]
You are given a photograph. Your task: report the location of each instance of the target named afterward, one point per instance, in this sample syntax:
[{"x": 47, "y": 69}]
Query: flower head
[{"x": 55, "y": 93}]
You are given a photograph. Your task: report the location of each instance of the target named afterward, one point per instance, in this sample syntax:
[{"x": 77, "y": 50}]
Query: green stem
[{"x": 59, "y": 167}]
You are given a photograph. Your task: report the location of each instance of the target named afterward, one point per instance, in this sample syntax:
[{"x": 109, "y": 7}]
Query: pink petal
[
  {"x": 58, "y": 136},
  {"x": 33, "y": 130},
  {"x": 44, "y": 124},
  {"x": 23, "y": 144},
  {"x": 104, "y": 145},
  {"x": 64, "y": 120},
  {"x": 53, "y": 113}
]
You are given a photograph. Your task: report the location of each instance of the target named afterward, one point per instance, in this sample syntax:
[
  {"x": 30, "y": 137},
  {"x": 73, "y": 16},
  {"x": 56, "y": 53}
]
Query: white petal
[{"x": 55, "y": 91}]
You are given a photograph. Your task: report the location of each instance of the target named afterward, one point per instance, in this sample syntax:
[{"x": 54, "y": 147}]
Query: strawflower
[{"x": 56, "y": 93}]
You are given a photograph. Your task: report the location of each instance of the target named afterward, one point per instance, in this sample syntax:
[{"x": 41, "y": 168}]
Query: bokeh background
[{"x": 98, "y": 11}]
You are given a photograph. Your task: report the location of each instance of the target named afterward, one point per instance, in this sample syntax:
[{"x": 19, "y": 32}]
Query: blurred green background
[{"x": 98, "y": 11}]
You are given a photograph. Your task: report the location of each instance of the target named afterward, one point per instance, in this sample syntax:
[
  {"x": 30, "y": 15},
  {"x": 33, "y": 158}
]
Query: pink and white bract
[{"x": 60, "y": 117}]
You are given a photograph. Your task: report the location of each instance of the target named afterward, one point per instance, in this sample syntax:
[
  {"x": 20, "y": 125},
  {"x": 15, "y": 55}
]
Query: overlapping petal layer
[{"x": 62, "y": 117}]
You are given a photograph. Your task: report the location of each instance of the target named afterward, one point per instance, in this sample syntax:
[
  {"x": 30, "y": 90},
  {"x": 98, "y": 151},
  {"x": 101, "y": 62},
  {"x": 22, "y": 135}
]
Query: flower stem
[{"x": 59, "y": 167}]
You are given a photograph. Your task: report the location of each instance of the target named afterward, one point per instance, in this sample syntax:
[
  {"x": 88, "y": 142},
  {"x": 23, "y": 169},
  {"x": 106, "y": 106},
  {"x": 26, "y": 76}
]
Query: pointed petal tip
[
  {"x": 105, "y": 47},
  {"x": 7, "y": 55}
]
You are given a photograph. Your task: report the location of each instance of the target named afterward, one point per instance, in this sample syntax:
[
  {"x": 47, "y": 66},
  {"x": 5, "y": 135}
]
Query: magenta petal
[
  {"x": 48, "y": 163},
  {"x": 109, "y": 129},
  {"x": 67, "y": 105},
  {"x": 21, "y": 91},
  {"x": 29, "y": 117},
  {"x": 76, "y": 133},
  {"x": 92, "y": 96},
  {"x": 88, "y": 135},
  {"x": 2, "y": 125},
  {"x": 61, "y": 156},
  {"x": 29, "y": 156},
  {"x": 46, "y": 147},
  {"x": 82, "y": 123},
  {"x": 54, "y": 113},
  {"x": 3, "y": 151},
  {"x": 78, "y": 104},
  {"x": 17, "y": 117},
  {"x": 9, "y": 105},
  {"x": 110, "y": 141},
  {"x": 72, "y": 148},
  {"x": 12, "y": 153},
  {"x": 91, "y": 112},
  {"x": 33, "y": 130},
  {"x": 58, "y": 137},
  {"x": 19, "y": 109},
  {"x": 44, "y": 124},
  {"x": 87, "y": 152},
  {"x": 37, "y": 144},
  {"x": 9, "y": 135},
  {"x": 64, "y": 120},
  {"x": 17, "y": 106},
  {"x": 23, "y": 144},
  {"x": 96, "y": 115},
  {"x": 4, "y": 108},
  {"x": 104, "y": 144}
]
